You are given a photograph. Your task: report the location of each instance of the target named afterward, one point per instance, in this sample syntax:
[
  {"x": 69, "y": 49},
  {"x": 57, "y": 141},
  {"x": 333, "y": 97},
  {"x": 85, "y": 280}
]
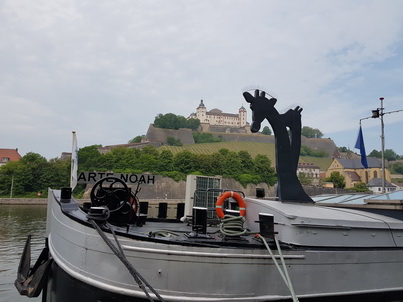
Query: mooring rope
[
  {"x": 118, "y": 251},
  {"x": 283, "y": 271},
  {"x": 233, "y": 226}
]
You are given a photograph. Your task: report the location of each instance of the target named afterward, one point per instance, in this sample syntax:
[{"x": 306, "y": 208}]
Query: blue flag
[{"x": 360, "y": 145}]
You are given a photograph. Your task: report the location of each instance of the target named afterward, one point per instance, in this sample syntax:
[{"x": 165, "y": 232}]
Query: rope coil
[{"x": 233, "y": 226}]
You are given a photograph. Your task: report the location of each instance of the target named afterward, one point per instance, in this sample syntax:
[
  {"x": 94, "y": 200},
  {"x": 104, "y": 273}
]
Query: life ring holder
[{"x": 220, "y": 202}]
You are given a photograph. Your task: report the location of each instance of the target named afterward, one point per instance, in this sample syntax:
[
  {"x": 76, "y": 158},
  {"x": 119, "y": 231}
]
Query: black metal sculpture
[{"x": 288, "y": 145}]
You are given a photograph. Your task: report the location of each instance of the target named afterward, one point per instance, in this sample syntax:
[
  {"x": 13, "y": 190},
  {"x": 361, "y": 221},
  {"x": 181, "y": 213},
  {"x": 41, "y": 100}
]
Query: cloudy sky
[{"x": 106, "y": 68}]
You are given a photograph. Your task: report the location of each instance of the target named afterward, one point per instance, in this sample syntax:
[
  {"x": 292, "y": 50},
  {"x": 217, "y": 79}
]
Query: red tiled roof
[
  {"x": 9, "y": 155},
  {"x": 353, "y": 175}
]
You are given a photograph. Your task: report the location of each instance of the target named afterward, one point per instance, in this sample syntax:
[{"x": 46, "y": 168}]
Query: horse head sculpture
[{"x": 288, "y": 147}]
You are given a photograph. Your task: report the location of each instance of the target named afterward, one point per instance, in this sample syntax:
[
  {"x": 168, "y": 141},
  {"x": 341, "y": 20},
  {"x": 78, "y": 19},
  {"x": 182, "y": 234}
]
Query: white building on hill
[{"x": 216, "y": 117}]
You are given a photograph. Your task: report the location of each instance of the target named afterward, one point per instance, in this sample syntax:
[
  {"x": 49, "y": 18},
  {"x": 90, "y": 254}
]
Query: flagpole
[
  {"x": 379, "y": 113},
  {"x": 382, "y": 146}
]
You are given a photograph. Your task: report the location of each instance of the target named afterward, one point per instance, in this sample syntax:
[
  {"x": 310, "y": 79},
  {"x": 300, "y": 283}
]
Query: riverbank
[
  {"x": 169, "y": 210},
  {"x": 29, "y": 201},
  {"x": 23, "y": 201},
  {"x": 44, "y": 201}
]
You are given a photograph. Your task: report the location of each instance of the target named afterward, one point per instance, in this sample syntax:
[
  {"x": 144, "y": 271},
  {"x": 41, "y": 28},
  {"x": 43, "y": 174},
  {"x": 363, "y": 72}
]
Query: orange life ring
[{"x": 223, "y": 197}]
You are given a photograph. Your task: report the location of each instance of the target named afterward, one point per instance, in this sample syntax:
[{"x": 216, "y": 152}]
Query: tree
[
  {"x": 204, "y": 137},
  {"x": 232, "y": 164},
  {"x": 193, "y": 123},
  {"x": 360, "y": 187},
  {"x": 89, "y": 158},
  {"x": 165, "y": 161},
  {"x": 263, "y": 168},
  {"x": 171, "y": 141},
  {"x": 306, "y": 151},
  {"x": 33, "y": 174},
  {"x": 304, "y": 178},
  {"x": 337, "y": 179},
  {"x": 246, "y": 161},
  {"x": 309, "y": 132},
  {"x": 389, "y": 154},
  {"x": 137, "y": 139},
  {"x": 184, "y": 162},
  {"x": 170, "y": 121},
  {"x": 173, "y": 121},
  {"x": 204, "y": 163},
  {"x": 375, "y": 153},
  {"x": 397, "y": 168},
  {"x": 149, "y": 150},
  {"x": 266, "y": 130},
  {"x": 245, "y": 179},
  {"x": 147, "y": 163}
]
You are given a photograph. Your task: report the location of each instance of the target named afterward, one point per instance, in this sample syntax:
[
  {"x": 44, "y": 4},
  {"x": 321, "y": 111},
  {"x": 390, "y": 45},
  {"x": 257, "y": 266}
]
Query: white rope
[{"x": 283, "y": 271}]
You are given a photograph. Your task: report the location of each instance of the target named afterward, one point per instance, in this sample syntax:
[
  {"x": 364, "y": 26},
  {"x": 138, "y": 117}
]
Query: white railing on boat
[{"x": 205, "y": 254}]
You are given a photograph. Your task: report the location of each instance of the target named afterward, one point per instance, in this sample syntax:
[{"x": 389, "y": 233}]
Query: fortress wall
[{"x": 161, "y": 135}]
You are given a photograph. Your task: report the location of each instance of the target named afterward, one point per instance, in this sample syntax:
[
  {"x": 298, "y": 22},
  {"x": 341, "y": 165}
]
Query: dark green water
[{"x": 16, "y": 223}]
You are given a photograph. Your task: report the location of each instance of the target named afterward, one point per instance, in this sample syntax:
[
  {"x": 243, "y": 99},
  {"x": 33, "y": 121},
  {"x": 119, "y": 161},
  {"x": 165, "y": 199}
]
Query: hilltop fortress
[
  {"x": 217, "y": 121},
  {"x": 230, "y": 127}
]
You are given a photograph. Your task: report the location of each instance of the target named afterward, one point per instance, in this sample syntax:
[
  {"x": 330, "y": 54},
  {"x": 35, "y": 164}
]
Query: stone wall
[
  {"x": 167, "y": 188},
  {"x": 243, "y": 137},
  {"x": 23, "y": 201},
  {"x": 224, "y": 129},
  {"x": 161, "y": 135}
]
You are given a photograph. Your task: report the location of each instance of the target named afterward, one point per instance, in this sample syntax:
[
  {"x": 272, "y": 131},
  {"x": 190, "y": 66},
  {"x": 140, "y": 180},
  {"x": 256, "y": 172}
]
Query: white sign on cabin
[{"x": 93, "y": 177}]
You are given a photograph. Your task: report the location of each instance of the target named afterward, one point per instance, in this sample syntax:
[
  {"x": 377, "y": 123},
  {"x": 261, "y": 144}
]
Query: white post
[
  {"x": 74, "y": 163},
  {"x": 12, "y": 186}
]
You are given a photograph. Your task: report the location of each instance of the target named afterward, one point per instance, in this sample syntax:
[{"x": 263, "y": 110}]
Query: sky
[{"x": 106, "y": 69}]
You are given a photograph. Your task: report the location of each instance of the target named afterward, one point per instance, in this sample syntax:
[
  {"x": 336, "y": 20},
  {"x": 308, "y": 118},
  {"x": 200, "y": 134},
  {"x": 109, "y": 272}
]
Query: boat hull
[
  {"x": 64, "y": 288},
  {"x": 86, "y": 269}
]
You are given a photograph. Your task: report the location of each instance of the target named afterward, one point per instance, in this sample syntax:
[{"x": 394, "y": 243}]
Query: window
[{"x": 5, "y": 159}]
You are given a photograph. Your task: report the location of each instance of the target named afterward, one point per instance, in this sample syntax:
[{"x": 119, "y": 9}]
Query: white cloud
[{"x": 106, "y": 69}]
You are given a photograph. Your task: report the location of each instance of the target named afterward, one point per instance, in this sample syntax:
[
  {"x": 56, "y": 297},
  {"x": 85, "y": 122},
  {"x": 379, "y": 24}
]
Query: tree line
[
  {"x": 34, "y": 173},
  {"x": 238, "y": 165},
  {"x": 173, "y": 121}
]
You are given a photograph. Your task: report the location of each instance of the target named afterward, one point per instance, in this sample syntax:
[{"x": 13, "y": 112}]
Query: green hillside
[
  {"x": 252, "y": 148},
  {"x": 322, "y": 162}
]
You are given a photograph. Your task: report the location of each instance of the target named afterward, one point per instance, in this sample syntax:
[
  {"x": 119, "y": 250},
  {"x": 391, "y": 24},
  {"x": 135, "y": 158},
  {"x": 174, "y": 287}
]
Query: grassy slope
[{"x": 252, "y": 148}]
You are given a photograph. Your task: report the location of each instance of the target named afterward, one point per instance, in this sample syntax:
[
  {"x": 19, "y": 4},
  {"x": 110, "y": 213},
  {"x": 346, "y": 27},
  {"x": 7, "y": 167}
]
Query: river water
[{"x": 16, "y": 223}]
